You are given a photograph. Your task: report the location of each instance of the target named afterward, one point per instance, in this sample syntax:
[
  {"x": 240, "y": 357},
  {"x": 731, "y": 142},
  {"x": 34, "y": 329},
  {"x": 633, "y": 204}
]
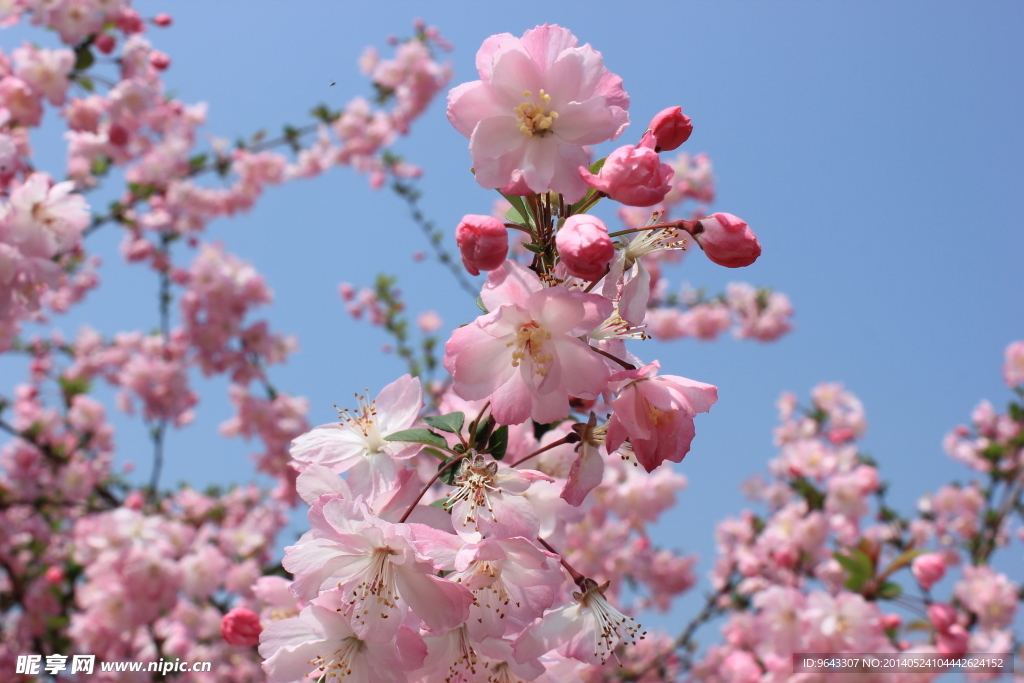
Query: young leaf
[
  {"x": 858, "y": 568},
  {"x": 480, "y": 305},
  {"x": 423, "y": 436},
  {"x": 448, "y": 476},
  {"x": 890, "y": 591},
  {"x": 498, "y": 443},
  {"x": 452, "y": 422},
  {"x": 519, "y": 206}
]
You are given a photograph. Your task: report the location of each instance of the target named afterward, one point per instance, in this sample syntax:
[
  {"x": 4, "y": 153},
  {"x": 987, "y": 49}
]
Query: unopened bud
[
  {"x": 632, "y": 175},
  {"x": 671, "y": 128},
  {"x": 162, "y": 19},
  {"x": 483, "y": 242},
  {"x": 584, "y": 246},
  {"x": 241, "y": 627},
  {"x": 728, "y": 241},
  {"x": 105, "y": 43},
  {"x": 928, "y": 569}
]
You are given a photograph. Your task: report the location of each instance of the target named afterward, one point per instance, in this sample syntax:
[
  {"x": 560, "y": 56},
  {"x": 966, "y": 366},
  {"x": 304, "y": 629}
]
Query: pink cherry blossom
[
  {"x": 378, "y": 567},
  {"x": 489, "y": 501},
  {"x": 512, "y": 581},
  {"x": 356, "y": 444},
  {"x": 320, "y": 641},
  {"x": 539, "y": 100},
  {"x": 588, "y": 630},
  {"x": 656, "y": 413},
  {"x": 524, "y": 356},
  {"x": 1013, "y": 369}
]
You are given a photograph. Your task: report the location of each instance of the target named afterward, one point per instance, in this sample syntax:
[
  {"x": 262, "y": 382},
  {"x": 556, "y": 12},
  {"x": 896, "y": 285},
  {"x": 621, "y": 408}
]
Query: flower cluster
[
  {"x": 90, "y": 563},
  {"x": 549, "y": 430},
  {"x": 825, "y": 570}
]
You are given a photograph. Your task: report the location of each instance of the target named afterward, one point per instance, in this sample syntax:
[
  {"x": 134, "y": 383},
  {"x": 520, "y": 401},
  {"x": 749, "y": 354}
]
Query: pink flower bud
[
  {"x": 241, "y": 627},
  {"x": 670, "y": 128},
  {"x": 953, "y": 642},
  {"x": 891, "y": 621},
  {"x": 483, "y": 241},
  {"x": 584, "y": 246},
  {"x": 134, "y": 500},
  {"x": 130, "y": 21},
  {"x": 928, "y": 569},
  {"x": 54, "y": 575},
  {"x": 633, "y": 176},
  {"x": 162, "y": 19},
  {"x": 728, "y": 241},
  {"x": 105, "y": 43},
  {"x": 159, "y": 60},
  {"x": 942, "y": 616}
]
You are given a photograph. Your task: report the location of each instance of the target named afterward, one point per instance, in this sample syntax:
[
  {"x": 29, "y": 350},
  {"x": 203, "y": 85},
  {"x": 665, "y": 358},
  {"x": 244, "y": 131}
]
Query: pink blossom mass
[{"x": 507, "y": 507}]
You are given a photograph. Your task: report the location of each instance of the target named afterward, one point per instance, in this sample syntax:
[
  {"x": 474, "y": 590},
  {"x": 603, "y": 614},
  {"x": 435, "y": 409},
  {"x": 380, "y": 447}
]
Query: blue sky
[{"x": 875, "y": 148}]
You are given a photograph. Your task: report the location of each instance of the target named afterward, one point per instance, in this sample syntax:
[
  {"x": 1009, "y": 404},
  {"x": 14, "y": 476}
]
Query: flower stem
[
  {"x": 430, "y": 483},
  {"x": 624, "y": 364},
  {"x": 571, "y": 437}
]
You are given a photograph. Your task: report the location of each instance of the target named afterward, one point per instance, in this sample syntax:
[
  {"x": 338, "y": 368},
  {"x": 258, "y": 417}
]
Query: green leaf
[
  {"x": 595, "y": 168},
  {"x": 815, "y": 498},
  {"x": 480, "y": 305},
  {"x": 197, "y": 162},
  {"x": 86, "y": 83},
  {"x": 1016, "y": 412},
  {"x": 435, "y": 453},
  {"x": 483, "y": 431},
  {"x": 858, "y": 568},
  {"x": 448, "y": 476},
  {"x": 519, "y": 206},
  {"x": 439, "y": 503},
  {"x": 423, "y": 436},
  {"x": 72, "y": 387},
  {"x": 452, "y": 422},
  {"x": 890, "y": 591},
  {"x": 903, "y": 560},
  {"x": 513, "y": 216},
  {"x": 498, "y": 443},
  {"x": 83, "y": 58}
]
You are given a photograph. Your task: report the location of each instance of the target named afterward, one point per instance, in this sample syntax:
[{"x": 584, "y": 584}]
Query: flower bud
[
  {"x": 483, "y": 241},
  {"x": 162, "y": 19},
  {"x": 241, "y": 627},
  {"x": 105, "y": 43},
  {"x": 159, "y": 60},
  {"x": 728, "y": 241},
  {"x": 54, "y": 575},
  {"x": 671, "y": 128},
  {"x": 942, "y": 616},
  {"x": 584, "y": 246},
  {"x": 928, "y": 569},
  {"x": 633, "y": 176}
]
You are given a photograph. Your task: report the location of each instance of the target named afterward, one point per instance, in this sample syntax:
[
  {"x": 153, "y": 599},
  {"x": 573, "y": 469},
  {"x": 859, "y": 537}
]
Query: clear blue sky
[{"x": 876, "y": 148}]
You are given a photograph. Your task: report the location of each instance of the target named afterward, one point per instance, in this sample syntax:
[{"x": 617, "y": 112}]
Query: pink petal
[
  {"x": 470, "y": 103},
  {"x": 513, "y": 283},
  {"x": 545, "y": 43},
  {"x": 442, "y": 605},
  {"x": 490, "y": 47},
  {"x": 584, "y": 476},
  {"x": 399, "y": 404}
]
